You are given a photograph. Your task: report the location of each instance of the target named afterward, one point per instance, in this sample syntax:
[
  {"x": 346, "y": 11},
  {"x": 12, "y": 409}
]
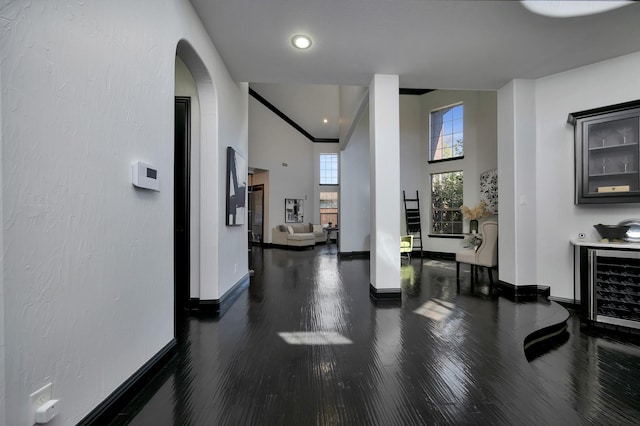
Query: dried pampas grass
[{"x": 477, "y": 212}]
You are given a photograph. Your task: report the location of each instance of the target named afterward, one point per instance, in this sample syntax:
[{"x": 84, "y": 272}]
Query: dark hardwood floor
[{"x": 436, "y": 358}]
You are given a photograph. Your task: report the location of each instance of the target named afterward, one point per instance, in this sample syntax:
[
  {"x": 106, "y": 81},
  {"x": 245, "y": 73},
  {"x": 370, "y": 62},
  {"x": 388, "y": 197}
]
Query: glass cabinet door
[
  {"x": 612, "y": 156},
  {"x": 607, "y": 156}
]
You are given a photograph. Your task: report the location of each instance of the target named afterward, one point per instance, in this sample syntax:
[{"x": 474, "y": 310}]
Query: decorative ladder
[{"x": 412, "y": 215}]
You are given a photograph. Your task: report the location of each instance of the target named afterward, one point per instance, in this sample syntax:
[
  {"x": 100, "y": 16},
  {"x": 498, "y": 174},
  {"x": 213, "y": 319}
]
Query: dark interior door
[
  {"x": 181, "y": 206},
  {"x": 256, "y": 214}
]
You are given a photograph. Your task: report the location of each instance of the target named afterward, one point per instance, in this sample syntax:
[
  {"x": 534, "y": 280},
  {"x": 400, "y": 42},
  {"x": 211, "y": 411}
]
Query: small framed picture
[{"x": 293, "y": 210}]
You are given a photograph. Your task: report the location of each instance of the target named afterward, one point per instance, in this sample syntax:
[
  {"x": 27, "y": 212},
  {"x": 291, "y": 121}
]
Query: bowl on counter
[
  {"x": 612, "y": 232},
  {"x": 633, "y": 234}
]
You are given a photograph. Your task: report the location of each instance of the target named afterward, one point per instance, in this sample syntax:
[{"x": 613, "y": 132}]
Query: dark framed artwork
[
  {"x": 293, "y": 210},
  {"x": 236, "y": 188}
]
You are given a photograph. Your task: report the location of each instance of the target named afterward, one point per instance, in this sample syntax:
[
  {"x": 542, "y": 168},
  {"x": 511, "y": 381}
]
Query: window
[
  {"x": 328, "y": 169},
  {"x": 446, "y": 142},
  {"x": 329, "y": 208},
  {"x": 446, "y": 199}
]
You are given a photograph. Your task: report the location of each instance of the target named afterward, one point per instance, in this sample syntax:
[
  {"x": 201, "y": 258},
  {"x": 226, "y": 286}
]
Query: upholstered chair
[
  {"x": 406, "y": 246},
  {"x": 486, "y": 254}
]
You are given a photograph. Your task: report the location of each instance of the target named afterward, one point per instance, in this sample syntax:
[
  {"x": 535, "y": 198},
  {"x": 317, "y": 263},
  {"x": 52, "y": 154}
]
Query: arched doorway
[{"x": 195, "y": 139}]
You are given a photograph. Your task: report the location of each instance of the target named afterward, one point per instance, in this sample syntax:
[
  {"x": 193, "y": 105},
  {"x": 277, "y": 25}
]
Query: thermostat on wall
[{"x": 144, "y": 176}]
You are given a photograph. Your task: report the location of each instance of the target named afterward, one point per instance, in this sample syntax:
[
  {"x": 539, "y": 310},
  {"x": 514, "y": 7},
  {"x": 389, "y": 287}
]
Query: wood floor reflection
[{"x": 437, "y": 358}]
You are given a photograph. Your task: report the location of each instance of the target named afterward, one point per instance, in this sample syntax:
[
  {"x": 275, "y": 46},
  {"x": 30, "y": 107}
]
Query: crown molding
[{"x": 288, "y": 120}]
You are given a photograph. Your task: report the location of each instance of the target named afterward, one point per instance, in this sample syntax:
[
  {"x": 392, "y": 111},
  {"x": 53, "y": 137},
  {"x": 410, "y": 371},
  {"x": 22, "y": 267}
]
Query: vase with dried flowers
[{"x": 473, "y": 214}]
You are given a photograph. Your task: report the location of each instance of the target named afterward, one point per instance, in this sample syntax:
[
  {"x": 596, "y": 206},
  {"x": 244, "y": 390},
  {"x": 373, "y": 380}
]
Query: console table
[{"x": 330, "y": 230}]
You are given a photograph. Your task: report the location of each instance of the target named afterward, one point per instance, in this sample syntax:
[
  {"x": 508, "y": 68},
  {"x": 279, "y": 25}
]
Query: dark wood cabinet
[{"x": 607, "y": 154}]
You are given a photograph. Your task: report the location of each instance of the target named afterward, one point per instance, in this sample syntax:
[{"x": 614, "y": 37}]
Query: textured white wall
[
  {"x": 87, "y": 88},
  {"x": 558, "y": 218},
  {"x": 273, "y": 142}
]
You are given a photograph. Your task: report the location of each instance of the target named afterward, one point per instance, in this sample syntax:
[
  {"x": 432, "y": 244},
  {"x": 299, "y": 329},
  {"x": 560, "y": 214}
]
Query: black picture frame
[
  {"x": 293, "y": 210},
  {"x": 236, "y": 211}
]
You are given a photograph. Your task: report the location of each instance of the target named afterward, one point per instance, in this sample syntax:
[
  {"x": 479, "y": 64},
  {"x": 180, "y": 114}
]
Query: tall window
[
  {"x": 446, "y": 199},
  {"x": 328, "y": 169},
  {"x": 446, "y": 141},
  {"x": 329, "y": 208}
]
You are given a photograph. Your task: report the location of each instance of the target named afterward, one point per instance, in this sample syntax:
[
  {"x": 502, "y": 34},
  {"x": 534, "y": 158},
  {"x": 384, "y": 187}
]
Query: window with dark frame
[
  {"x": 446, "y": 140},
  {"x": 446, "y": 199},
  {"x": 329, "y": 169}
]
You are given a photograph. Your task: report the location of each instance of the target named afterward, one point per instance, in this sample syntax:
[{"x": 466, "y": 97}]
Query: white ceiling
[
  {"x": 476, "y": 45},
  {"x": 307, "y": 105}
]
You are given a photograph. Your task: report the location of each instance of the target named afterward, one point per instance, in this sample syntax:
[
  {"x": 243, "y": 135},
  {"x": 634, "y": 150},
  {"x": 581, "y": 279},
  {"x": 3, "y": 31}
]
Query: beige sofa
[{"x": 298, "y": 235}]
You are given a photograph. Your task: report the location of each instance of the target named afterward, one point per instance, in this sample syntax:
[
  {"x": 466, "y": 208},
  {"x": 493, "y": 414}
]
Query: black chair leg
[
  {"x": 474, "y": 271},
  {"x": 490, "y": 277},
  {"x": 458, "y": 276}
]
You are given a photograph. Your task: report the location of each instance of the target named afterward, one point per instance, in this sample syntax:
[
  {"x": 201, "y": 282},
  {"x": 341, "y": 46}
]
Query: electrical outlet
[{"x": 38, "y": 398}]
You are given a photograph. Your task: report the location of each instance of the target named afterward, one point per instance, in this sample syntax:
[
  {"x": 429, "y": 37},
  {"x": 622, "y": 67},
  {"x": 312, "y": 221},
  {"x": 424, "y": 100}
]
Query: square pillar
[
  {"x": 517, "y": 187},
  {"x": 384, "y": 132}
]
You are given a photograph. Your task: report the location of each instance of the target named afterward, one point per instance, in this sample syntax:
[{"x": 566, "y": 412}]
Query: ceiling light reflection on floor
[
  {"x": 439, "y": 264},
  {"x": 436, "y": 309},
  {"x": 314, "y": 338}
]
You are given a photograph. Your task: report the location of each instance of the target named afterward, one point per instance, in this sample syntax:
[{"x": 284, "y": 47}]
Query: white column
[
  {"x": 517, "y": 183},
  {"x": 384, "y": 130}
]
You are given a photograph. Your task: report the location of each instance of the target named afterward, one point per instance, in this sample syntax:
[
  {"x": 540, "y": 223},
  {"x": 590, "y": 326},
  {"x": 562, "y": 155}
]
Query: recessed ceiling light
[
  {"x": 570, "y": 9},
  {"x": 325, "y": 121},
  {"x": 301, "y": 41}
]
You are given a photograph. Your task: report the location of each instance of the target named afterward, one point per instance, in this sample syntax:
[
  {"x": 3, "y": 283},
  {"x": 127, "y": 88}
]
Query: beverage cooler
[{"x": 614, "y": 287}]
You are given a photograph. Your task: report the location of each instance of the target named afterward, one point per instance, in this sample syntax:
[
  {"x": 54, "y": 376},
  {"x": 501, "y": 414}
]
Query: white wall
[
  {"x": 558, "y": 218},
  {"x": 272, "y": 143},
  {"x": 3, "y": 395},
  {"x": 353, "y": 101},
  {"x": 384, "y": 131},
  {"x": 506, "y": 183},
  {"x": 411, "y": 149},
  {"x": 355, "y": 201},
  {"x": 480, "y": 153},
  {"x": 517, "y": 141},
  {"x": 229, "y": 126},
  {"x": 88, "y": 88},
  {"x": 186, "y": 86},
  {"x": 480, "y": 156}
]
